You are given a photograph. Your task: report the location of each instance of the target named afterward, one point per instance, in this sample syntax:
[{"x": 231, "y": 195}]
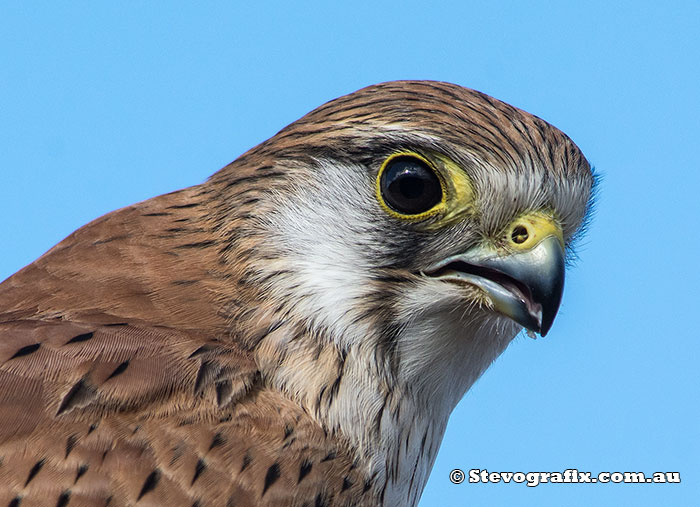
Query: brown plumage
[{"x": 180, "y": 351}]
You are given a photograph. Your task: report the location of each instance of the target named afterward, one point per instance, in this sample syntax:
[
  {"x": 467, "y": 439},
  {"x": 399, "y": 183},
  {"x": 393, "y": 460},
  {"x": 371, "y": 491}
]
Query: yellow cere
[
  {"x": 526, "y": 231},
  {"x": 457, "y": 191}
]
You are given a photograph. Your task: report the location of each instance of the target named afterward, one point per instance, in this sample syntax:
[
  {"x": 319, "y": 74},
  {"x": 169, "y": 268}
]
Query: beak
[{"x": 526, "y": 285}]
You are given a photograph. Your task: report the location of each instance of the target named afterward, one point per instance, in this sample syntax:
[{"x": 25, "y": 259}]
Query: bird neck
[{"x": 392, "y": 419}]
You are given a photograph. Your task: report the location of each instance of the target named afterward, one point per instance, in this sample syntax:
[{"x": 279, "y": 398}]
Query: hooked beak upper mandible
[{"x": 524, "y": 282}]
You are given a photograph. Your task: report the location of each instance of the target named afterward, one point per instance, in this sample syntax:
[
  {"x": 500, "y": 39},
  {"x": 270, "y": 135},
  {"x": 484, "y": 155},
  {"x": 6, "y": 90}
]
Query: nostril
[{"x": 519, "y": 234}]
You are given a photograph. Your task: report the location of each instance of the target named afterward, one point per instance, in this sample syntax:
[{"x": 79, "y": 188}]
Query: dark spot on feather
[
  {"x": 381, "y": 495},
  {"x": 80, "y": 338},
  {"x": 331, "y": 455},
  {"x": 117, "y": 324},
  {"x": 63, "y": 499},
  {"x": 81, "y": 471},
  {"x": 104, "y": 455},
  {"x": 288, "y": 430},
  {"x": 367, "y": 485},
  {"x": 150, "y": 483},
  {"x": 108, "y": 501},
  {"x": 92, "y": 428},
  {"x": 224, "y": 390},
  {"x": 15, "y": 502},
  {"x": 79, "y": 395},
  {"x": 196, "y": 504},
  {"x": 246, "y": 461},
  {"x": 155, "y": 214},
  {"x": 304, "y": 469},
  {"x": 230, "y": 502},
  {"x": 183, "y": 206},
  {"x": 70, "y": 443},
  {"x": 334, "y": 389},
  {"x": 207, "y": 371},
  {"x": 198, "y": 469},
  {"x": 119, "y": 370},
  {"x": 320, "y": 396},
  {"x": 347, "y": 483},
  {"x": 273, "y": 473},
  {"x": 26, "y": 350},
  {"x": 217, "y": 441},
  {"x": 35, "y": 470},
  {"x": 321, "y": 501}
]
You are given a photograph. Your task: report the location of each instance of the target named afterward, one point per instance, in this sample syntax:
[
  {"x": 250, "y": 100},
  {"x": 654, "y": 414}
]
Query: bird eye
[{"x": 409, "y": 186}]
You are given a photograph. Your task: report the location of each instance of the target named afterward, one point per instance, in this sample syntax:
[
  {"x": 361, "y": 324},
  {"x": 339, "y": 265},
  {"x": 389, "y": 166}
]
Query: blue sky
[{"x": 105, "y": 104}]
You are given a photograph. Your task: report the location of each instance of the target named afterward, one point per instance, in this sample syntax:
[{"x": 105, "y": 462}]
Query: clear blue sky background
[{"x": 104, "y": 104}]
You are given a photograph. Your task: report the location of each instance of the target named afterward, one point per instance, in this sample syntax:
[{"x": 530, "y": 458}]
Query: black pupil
[{"x": 409, "y": 186}]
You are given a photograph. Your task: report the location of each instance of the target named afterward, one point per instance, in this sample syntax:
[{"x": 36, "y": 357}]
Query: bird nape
[{"x": 297, "y": 329}]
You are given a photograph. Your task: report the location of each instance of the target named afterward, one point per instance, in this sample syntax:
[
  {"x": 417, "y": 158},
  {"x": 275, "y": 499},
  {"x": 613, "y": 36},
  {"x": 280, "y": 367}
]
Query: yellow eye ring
[{"x": 410, "y": 187}]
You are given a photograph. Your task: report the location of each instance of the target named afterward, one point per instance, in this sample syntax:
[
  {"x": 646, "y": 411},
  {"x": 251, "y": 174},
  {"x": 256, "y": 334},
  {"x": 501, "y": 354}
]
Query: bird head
[
  {"x": 402, "y": 235},
  {"x": 408, "y": 187}
]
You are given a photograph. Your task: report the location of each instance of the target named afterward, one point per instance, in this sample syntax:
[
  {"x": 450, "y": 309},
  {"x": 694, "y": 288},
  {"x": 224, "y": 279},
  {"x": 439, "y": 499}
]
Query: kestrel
[{"x": 297, "y": 329}]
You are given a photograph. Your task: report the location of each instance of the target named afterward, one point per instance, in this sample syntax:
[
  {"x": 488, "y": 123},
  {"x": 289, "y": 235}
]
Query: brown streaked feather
[
  {"x": 128, "y": 412},
  {"x": 120, "y": 382}
]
